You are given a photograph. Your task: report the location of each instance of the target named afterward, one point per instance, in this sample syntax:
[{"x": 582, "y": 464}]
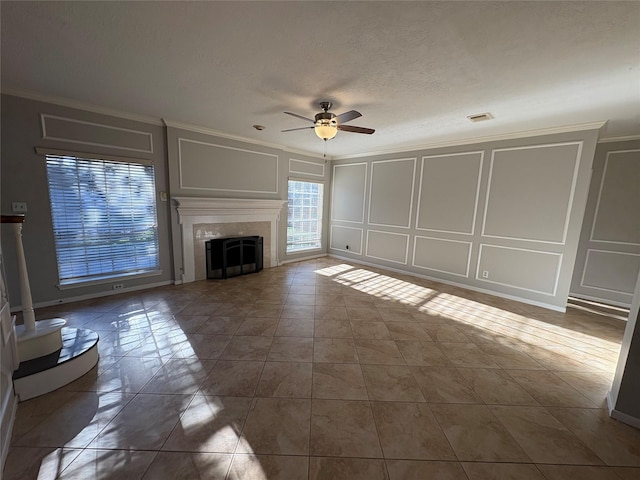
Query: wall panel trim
[
  {"x": 364, "y": 192},
  {"x": 291, "y": 168},
  {"x": 361, "y": 230},
  {"x": 569, "y": 206},
  {"x": 413, "y": 182},
  {"x": 406, "y": 253},
  {"x": 45, "y": 136},
  {"x": 413, "y": 260},
  {"x": 556, "y": 279},
  {"x": 586, "y": 263},
  {"x": 477, "y": 200},
  {"x": 595, "y": 216},
  {"x": 189, "y": 140}
]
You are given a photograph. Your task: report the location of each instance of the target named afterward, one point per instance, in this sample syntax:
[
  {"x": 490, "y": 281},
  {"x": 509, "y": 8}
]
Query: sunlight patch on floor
[
  {"x": 384, "y": 287},
  {"x": 480, "y": 315},
  {"x": 519, "y": 326},
  {"x": 333, "y": 270}
]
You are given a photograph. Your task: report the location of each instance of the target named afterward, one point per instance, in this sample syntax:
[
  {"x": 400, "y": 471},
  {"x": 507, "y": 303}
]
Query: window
[
  {"x": 304, "y": 229},
  {"x": 104, "y": 218}
]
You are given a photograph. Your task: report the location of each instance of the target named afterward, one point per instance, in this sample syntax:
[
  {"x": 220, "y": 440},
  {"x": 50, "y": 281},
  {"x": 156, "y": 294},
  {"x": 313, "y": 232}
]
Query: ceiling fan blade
[
  {"x": 299, "y": 128},
  {"x": 349, "y": 128},
  {"x": 348, "y": 116},
  {"x": 300, "y": 116}
]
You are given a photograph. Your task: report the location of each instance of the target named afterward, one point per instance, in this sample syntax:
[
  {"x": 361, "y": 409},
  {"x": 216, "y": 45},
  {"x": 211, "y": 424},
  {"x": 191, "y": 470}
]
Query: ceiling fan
[{"x": 326, "y": 124}]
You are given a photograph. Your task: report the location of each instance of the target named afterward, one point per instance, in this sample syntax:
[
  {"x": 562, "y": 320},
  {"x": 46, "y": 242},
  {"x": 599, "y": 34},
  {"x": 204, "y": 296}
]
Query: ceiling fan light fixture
[
  {"x": 326, "y": 124},
  {"x": 326, "y": 129}
]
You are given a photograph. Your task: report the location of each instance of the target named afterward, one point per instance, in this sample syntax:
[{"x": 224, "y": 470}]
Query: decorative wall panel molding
[
  {"x": 530, "y": 192},
  {"x": 306, "y": 168},
  {"x": 208, "y": 166},
  {"x": 611, "y": 271},
  {"x": 97, "y": 134},
  {"x": 619, "y": 194},
  {"x": 348, "y": 192},
  {"x": 341, "y": 237},
  {"x": 442, "y": 255},
  {"x": 448, "y": 192},
  {"x": 391, "y": 192},
  {"x": 391, "y": 247},
  {"x": 531, "y": 270}
]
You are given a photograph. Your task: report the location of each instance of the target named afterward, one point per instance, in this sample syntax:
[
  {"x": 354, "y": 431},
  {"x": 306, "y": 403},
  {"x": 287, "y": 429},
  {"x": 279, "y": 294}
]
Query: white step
[
  {"x": 45, "y": 339},
  {"x": 78, "y": 355}
]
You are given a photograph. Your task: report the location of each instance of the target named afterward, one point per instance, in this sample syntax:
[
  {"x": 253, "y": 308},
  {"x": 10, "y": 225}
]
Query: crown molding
[
  {"x": 619, "y": 139},
  {"x": 473, "y": 140},
  {"x": 65, "y": 102},
  {"x": 217, "y": 133}
]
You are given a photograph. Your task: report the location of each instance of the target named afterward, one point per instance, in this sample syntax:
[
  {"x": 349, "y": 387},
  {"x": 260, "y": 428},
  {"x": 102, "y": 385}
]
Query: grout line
[{"x": 548, "y": 328}]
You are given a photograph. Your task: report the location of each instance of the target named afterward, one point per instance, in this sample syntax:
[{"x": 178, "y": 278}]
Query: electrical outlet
[
  {"x": 19, "y": 207},
  {"x": 485, "y": 274},
  {"x": 117, "y": 286}
]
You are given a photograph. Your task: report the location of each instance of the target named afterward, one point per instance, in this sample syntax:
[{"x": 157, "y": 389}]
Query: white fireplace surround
[{"x": 197, "y": 210}]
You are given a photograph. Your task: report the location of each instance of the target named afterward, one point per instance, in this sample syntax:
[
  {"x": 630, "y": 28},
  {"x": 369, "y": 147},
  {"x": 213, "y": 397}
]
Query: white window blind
[
  {"x": 304, "y": 228},
  {"x": 104, "y": 218}
]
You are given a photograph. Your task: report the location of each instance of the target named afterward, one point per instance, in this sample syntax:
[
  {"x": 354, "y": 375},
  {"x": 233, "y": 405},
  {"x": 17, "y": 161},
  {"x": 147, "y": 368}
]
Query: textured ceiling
[{"x": 414, "y": 70}]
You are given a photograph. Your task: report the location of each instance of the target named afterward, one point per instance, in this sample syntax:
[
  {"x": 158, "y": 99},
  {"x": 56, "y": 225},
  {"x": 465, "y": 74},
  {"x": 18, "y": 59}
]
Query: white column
[{"x": 25, "y": 290}]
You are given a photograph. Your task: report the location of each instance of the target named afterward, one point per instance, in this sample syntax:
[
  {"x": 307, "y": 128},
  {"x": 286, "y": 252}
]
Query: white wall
[
  {"x": 187, "y": 163},
  {"x": 502, "y": 217},
  {"x": 608, "y": 259},
  {"x": 27, "y": 124},
  {"x": 206, "y": 165}
]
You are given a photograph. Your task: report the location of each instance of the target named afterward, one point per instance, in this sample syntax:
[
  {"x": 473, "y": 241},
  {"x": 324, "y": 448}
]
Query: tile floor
[{"x": 330, "y": 370}]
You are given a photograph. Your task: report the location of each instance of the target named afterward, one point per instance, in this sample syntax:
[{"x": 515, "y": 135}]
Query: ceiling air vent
[{"x": 480, "y": 117}]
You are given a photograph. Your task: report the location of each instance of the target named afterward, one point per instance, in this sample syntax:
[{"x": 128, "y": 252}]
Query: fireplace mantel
[
  {"x": 197, "y": 210},
  {"x": 227, "y": 206}
]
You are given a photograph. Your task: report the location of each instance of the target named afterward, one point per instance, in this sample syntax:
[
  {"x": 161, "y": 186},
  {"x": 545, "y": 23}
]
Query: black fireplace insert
[{"x": 233, "y": 256}]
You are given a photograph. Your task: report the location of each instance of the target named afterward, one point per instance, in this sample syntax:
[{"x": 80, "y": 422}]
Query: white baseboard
[
  {"x": 302, "y": 259},
  {"x": 620, "y": 416},
  {"x": 456, "y": 284},
  {"x": 624, "y": 418},
  {"x": 604, "y": 301},
  {"x": 91, "y": 296}
]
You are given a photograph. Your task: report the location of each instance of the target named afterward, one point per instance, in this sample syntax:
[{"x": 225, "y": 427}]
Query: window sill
[
  {"x": 110, "y": 279},
  {"x": 305, "y": 250}
]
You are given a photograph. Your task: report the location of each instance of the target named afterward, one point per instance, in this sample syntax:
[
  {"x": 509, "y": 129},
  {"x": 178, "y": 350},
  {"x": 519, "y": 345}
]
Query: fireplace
[
  {"x": 202, "y": 219},
  {"x": 233, "y": 256}
]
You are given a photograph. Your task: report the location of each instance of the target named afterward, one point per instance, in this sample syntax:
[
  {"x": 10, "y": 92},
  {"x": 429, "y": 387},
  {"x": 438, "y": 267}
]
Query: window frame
[
  {"x": 115, "y": 274},
  {"x": 320, "y": 221}
]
